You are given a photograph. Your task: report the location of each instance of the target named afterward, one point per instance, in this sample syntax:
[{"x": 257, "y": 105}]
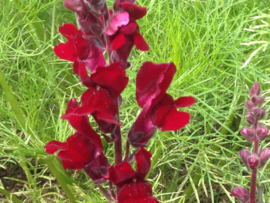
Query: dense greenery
[{"x": 220, "y": 48}]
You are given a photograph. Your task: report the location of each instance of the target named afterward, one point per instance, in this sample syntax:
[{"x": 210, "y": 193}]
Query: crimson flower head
[
  {"x": 159, "y": 109},
  {"x": 78, "y": 49},
  {"x": 131, "y": 184},
  {"x": 241, "y": 194},
  {"x": 101, "y": 98},
  {"x": 123, "y": 32}
]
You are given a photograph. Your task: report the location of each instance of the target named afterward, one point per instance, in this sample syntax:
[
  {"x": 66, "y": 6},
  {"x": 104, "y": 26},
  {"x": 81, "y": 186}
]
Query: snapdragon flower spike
[
  {"x": 131, "y": 184},
  {"x": 123, "y": 32},
  {"x": 78, "y": 49},
  {"x": 241, "y": 194},
  {"x": 101, "y": 99},
  {"x": 159, "y": 108}
]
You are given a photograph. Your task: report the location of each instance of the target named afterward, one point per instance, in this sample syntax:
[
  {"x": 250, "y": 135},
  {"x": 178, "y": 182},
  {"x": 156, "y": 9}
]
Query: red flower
[
  {"x": 159, "y": 108},
  {"x": 131, "y": 184},
  {"x": 101, "y": 99},
  {"x": 123, "y": 32},
  {"x": 241, "y": 194},
  {"x": 81, "y": 124},
  {"x": 78, "y": 152},
  {"x": 78, "y": 49}
]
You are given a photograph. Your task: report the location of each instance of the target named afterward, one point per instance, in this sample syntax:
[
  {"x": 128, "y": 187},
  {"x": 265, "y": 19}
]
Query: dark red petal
[
  {"x": 143, "y": 162},
  {"x": 75, "y": 152},
  {"x": 54, "y": 146},
  {"x": 75, "y": 5},
  {"x": 76, "y": 67},
  {"x": 97, "y": 167},
  {"x": 85, "y": 78},
  {"x": 65, "y": 51},
  {"x": 120, "y": 173},
  {"x": 136, "y": 192},
  {"x": 129, "y": 29},
  {"x": 107, "y": 118},
  {"x": 82, "y": 45},
  {"x": 68, "y": 31},
  {"x": 184, "y": 102},
  {"x": 139, "y": 42},
  {"x": 153, "y": 81},
  {"x": 112, "y": 77},
  {"x": 175, "y": 120},
  {"x": 116, "y": 21},
  {"x": 135, "y": 11},
  {"x": 95, "y": 58},
  {"x": 118, "y": 41}
]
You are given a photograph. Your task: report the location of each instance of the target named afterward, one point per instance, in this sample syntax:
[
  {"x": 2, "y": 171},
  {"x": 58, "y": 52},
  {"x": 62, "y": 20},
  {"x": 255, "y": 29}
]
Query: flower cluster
[
  {"x": 257, "y": 132},
  {"x": 116, "y": 32}
]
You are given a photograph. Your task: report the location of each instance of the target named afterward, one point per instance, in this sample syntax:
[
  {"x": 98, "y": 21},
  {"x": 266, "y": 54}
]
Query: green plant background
[{"x": 220, "y": 47}]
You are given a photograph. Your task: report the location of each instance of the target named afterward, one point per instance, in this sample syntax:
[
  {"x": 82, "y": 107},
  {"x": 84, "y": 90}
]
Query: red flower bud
[
  {"x": 250, "y": 118},
  {"x": 254, "y": 99},
  {"x": 241, "y": 194},
  {"x": 264, "y": 156},
  {"x": 245, "y": 154},
  {"x": 262, "y": 132},
  {"x": 260, "y": 100},
  {"x": 254, "y": 161},
  {"x": 255, "y": 90},
  {"x": 249, "y": 104},
  {"x": 262, "y": 114},
  {"x": 248, "y": 133}
]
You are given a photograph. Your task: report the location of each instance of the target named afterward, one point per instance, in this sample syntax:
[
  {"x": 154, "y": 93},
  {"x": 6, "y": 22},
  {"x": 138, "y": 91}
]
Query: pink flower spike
[
  {"x": 241, "y": 194},
  {"x": 117, "y": 21}
]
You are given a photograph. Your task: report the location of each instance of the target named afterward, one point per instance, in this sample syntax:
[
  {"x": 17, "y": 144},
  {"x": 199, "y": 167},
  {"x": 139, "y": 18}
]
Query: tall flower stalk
[
  {"x": 116, "y": 32},
  {"x": 257, "y": 132}
]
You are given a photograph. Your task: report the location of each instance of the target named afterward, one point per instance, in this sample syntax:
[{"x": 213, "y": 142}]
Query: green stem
[
  {"x": 197, "y": 175},
  {"x": 10, "y": 196},
  {"x": 51, "y": 164}
]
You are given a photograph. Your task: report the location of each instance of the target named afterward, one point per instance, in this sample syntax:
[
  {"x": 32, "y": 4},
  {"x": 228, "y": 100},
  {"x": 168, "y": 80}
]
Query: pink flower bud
[
  {"x": 248, "y": 133},
  {"x": 264, "y": 156},
  {"x": 262, "y": 132},
  {"x": 254, "y": 161},
  {"x": 262, "y": 114},
  {"x": 254, "y": 99},
  {"x": 241, "y": 194},
  {"x": 250, "y": 118},
  {"x": 244, "y": 154},
  {"x": 260, "y": 100},
  {"x": 249, "y": 104},
  {"x": 257, "y": 111},
  {"x": 255, "y": 90}
]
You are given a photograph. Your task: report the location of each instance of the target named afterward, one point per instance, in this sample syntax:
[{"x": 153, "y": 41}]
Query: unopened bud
[
  {"x": 264, "y": 156},
  {"x": 262, "y": 114},
  {"x": 249, "y": 104},
  {"x": 260, "y": 100},
  {"x": 254, "y": 161},
  {"x": 250, "y": 118},
  {"x": 244, "y": 154},
  {"x": 262, "y": 132},
  {"x": 248, "y": 133},
  {"x": 241, "y": 194},
  {"x": 257, "y": 112},
  {"x": 255, "y": 90},
  {"x": 254, "y": 99}
]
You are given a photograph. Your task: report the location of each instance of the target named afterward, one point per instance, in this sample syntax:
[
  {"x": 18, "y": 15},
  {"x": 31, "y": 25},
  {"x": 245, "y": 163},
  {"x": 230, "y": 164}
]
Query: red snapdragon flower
[
  {"x": 132, "y": 184},
  {"x": 123, "y": 32},
  {"x": 102, "y": 97},
  {"x": 78, "y": 49},
  {"x": 159, "y": 108}
]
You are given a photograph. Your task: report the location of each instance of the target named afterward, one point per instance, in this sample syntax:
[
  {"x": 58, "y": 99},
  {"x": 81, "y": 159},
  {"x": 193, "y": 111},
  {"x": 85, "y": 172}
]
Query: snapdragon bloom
[
  {"x": 132, "y": 184},
  {"x": 159, "y": 110}
]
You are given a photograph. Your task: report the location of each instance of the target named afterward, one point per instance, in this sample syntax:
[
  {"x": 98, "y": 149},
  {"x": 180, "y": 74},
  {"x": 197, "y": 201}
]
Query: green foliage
[{"x": 219, "y": 47}]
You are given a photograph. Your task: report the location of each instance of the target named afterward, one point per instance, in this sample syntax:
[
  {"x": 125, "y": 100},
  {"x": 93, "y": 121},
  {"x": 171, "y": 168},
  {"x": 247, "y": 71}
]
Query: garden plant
[{"x": 143, "y": 102}]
